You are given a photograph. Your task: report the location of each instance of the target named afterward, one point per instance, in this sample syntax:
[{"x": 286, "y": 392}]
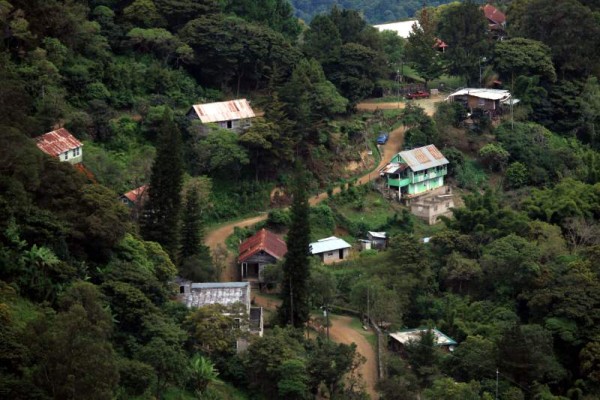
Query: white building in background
[{"x": 402, "y": 28}]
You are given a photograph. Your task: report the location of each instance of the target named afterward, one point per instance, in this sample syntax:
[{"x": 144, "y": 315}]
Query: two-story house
[
  {"x": 414, "y": 172},
  {"x": 232, "y": 114},
  {"x": 62, "y": 145}
]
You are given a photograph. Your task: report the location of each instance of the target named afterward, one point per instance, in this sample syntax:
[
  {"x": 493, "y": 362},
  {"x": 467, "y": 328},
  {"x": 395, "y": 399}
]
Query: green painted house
[{"x": 414, "y": 172}]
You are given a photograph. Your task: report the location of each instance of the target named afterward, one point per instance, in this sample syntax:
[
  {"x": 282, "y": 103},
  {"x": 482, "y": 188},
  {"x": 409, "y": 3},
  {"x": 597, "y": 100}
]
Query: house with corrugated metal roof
[
  {"x": 258, "y": 251},
  {"x": 233, "y": 114},
  {"x": 331, "y": 250},
  {"x": 488, "y": 100},
  {"x": 399, "y": 340},
  {"x": 62, "y": 145},
  {"x": 412, "y": 173},
  {"x": 496, "y": 21},
  {"x": 228, "y": 294}
]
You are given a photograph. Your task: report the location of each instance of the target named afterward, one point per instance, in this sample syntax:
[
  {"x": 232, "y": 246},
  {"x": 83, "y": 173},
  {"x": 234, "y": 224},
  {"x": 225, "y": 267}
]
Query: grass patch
[
  {"x": 369, "y": 335},
  {"x": 372, "y": 210},
  {"x": 447, "y": 82}
]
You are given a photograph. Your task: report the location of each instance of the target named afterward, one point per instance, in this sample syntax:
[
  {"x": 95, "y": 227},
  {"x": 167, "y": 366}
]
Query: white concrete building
[{"x": 331, "y": 249}]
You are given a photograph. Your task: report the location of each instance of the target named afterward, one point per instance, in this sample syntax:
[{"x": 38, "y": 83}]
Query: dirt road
[
  {"x": 217, "y": 236},
  {"x": 427, "y": 104},
  {"x": 341, "y": 332}
]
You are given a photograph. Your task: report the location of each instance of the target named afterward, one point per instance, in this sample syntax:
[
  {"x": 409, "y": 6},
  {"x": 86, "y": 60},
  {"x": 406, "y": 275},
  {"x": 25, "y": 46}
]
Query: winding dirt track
[
  {"x": 340, "y": 330},
  {"x": 217, "y": 237}
]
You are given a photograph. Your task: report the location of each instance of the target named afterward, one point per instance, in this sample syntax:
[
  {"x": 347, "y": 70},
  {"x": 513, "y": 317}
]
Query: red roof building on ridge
[{"x": 263, "y": 240}]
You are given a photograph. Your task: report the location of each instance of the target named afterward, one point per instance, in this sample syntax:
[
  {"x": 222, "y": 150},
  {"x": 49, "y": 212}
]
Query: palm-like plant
[{"x": 203, "y": 373}]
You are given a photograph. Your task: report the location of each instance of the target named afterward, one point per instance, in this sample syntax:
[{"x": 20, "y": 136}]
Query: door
[{"x": 341, "y": 254}]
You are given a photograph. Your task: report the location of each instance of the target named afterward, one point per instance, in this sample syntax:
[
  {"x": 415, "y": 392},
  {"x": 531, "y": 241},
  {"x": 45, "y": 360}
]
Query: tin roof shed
[
  {"x": 57, "y": 142},
  {"x": 331, "y": 243},
  {"x": 224, "y": 111},
  {"x": 412, "y": 335}
]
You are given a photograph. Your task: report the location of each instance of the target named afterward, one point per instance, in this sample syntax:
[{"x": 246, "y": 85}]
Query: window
[
  {"x": 237, "y": 323},
  {"x": 330, "y": 254},
  {"x": 181, "y": 289},
  {"x": 229, "y": 124},
  {"x": 74, "y": 152},
  {"x": 66, "y": 155}
]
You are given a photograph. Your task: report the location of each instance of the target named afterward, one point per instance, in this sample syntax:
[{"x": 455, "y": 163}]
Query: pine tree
[
  {"x": 160, "y": 219},
  {"x": 194, "y": 256},
  {"x": 294, "y": 309}
]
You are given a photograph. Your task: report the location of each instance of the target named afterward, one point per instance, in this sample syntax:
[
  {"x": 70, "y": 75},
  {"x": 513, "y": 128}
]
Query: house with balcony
[
  {"x": 412, "y": 173},
  {"x": 490, "y": 101},
  {"x": 235, "y": 115}
]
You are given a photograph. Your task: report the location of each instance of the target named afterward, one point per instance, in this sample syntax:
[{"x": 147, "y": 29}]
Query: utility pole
[
  {"x": 368, "y": 307},
  {"x": 497, "y": 373},
  {"x": 291, "y": 303},
  {"x": 326, "y": 315},
  {"x": 398, "y": 86}
]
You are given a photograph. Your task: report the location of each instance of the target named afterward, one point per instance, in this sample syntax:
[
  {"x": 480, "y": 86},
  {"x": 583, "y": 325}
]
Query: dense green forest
[{"x": 87, "y": 301}]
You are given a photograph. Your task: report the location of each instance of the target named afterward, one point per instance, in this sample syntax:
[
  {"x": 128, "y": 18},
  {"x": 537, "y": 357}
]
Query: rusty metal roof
[
  {"x": 423, "y": 158},
  {"x": 493, "y": 14},
  {"x": 138, "y": 194},
  {"x": 224, "y": 111},
  {"x": 392, "y": 168},
  {"x": 57, "y": 142},
  {"x": 262, "y": 240}
]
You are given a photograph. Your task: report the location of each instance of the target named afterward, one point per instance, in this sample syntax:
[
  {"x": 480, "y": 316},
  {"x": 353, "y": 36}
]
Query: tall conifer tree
[
  {"x": 160, "y": 219},
  {"x": 195, "y": 262},
  {"x": 294, "y": 309}
]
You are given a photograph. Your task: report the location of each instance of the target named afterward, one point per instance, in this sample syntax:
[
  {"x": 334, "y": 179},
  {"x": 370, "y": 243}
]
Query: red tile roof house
[
  {"x": 61, "y": 144},
  {"x": 135, "y": 199},
  {"x": 136, "y": 196},
  {"x": 232, "y": 114},
  {"x": 496, "y": 21},
  {"x": 256, "y": 252}
]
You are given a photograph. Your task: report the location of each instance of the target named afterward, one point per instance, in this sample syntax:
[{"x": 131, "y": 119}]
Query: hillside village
[{"x": 278, "y": 200}]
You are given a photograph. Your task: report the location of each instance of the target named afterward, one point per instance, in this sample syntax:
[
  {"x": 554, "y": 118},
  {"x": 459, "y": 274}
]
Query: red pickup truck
[{"x": 419, "y": 94}]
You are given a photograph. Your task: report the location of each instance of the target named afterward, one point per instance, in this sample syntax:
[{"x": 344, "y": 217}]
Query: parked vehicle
[
  {"x": 383, "y": 138},
  {"x": 419, "y": 94}
]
